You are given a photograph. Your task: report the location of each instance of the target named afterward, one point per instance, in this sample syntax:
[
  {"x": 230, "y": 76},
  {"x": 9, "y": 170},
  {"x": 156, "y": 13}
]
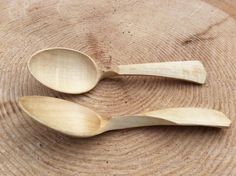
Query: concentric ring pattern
[{"x": 120, "y": 32}]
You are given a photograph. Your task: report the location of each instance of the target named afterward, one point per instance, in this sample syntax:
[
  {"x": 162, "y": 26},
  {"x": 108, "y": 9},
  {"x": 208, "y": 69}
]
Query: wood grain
[
  {"x": 120, "y": 32},
  {"x": 79, "y": 121},
  {"x": 70, "y": 71}
]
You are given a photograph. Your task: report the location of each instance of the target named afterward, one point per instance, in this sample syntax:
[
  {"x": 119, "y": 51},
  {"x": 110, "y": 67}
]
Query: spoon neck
[{"x": 109, "y": 72}]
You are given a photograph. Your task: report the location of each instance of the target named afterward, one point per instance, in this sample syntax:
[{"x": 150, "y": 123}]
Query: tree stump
[{"x": 120, "y": 32}]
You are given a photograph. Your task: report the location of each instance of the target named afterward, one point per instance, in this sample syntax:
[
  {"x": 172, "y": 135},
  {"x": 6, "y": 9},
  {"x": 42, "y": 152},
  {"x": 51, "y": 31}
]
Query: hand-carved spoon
[
  {"x": 71, "y": 71},
  {"x": 76, "y": 120}
]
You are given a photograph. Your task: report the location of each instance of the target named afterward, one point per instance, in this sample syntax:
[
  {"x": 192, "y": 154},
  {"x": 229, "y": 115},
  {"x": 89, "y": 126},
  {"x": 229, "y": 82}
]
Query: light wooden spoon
[
  {"x": 76, "y": 120},
  {"x": 71, "y": 71}
]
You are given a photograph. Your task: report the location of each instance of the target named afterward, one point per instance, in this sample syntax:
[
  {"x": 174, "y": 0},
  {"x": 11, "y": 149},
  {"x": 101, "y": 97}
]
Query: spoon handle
[
  {"x": 186, "y": 70},
  {"x": 172, "y": 116}
]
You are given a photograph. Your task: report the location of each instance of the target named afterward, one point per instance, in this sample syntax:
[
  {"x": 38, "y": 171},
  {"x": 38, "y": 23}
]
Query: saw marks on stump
[{"x": 114, "y": 33}]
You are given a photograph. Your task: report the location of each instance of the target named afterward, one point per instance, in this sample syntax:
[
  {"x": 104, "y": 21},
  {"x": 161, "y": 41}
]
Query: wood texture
[
  {"x": 70, "y": 71},
  {"x": 76, "y": 120},
  {"x": 120, "y": 32},
  {"x": 64, "y": 70},
  {"x": 185, "y": 70}
]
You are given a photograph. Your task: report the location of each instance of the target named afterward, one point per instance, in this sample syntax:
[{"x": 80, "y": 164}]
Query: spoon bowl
[
  {"x": 71, "y": 71},
  {"x": 76, "y": 120},
  {"x": 61, "y": 115},
  {"x": 65, "y": 70}
]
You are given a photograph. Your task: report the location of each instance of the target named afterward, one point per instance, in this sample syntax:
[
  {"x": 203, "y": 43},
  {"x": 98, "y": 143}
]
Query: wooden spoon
[
  {"x": 76, "y": 120},
  {"x": 71, "y": 71}
]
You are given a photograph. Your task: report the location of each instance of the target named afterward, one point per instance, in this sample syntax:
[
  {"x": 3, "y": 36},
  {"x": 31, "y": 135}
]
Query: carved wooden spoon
[
  {"x": 71, "y": 71},
  {"x": 76, "y": 120}
]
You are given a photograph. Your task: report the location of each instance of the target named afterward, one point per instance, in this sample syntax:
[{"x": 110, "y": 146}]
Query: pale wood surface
[
  {"x": 70, "y": 71},
  {"x": 76, "y": 120},
  {"x": 64, "y": 70},
  {"x": 192, "y": 71},
  {"x": 120, "y": 32}
]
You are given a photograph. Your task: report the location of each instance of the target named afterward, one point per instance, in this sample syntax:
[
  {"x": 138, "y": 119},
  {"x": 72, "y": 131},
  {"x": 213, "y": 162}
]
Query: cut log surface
[{"x": 113, "y": 33}]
